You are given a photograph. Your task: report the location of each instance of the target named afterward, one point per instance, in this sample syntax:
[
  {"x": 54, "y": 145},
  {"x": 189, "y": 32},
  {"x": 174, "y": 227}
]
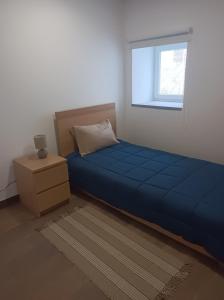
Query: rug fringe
[
  {"x": 174, "y": 283},
  {"x": 56, "y": 219}
]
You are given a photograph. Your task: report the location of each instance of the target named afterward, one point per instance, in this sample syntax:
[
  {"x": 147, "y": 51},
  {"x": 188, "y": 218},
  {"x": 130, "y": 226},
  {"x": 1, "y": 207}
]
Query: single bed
[{"x": 179, "y": 196}]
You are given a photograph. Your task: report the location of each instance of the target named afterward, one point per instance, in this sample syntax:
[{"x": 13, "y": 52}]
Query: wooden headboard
[{"x": 64, "y": 121}]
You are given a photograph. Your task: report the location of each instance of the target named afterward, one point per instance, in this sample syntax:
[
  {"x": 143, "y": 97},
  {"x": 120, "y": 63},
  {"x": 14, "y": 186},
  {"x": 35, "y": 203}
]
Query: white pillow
[{"x": 90, "y": 138}]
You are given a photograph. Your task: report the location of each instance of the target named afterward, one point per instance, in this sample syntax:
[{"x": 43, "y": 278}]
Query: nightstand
[{"x": 42, "y": 183}]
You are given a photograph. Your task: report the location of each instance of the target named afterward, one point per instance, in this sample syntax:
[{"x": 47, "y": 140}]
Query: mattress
[{"x": 181, "y": 194}]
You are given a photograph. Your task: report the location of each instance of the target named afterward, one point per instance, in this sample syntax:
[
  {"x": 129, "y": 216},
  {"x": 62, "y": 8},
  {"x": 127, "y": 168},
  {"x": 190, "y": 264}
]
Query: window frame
[
  {"x": 157, "y": 65},
  {"x": 154, "y": 41}
]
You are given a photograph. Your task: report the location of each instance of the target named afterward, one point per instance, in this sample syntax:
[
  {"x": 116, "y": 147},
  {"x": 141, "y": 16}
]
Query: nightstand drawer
[
  {"x": 50, "y": 177},
  {"x": 53, "y": 197}
]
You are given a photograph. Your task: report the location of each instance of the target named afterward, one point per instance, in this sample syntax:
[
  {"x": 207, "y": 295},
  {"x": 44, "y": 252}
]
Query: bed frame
[{"x": 90, "y": 115}]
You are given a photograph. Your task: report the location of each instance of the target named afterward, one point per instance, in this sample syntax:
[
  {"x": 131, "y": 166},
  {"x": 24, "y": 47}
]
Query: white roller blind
[{"x": 162, "y": 40}]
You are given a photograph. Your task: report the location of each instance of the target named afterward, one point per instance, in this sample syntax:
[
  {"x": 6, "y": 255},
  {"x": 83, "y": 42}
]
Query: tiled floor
[{"x": 31, "y": 268}]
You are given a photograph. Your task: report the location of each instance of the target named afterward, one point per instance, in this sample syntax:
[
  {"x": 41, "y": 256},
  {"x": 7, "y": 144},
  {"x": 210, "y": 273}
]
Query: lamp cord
[{"x": 8, "y": 185}]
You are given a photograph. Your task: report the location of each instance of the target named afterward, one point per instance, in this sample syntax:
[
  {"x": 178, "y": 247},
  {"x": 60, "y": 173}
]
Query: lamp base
[{"x": 42, "y": 153}]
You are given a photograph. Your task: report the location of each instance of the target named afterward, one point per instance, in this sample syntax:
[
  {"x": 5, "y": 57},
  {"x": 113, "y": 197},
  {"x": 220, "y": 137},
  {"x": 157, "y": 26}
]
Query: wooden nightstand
[{"x": 42, "y": 183}]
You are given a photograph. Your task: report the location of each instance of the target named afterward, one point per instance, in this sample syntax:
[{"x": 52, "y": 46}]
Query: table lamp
[{"x": 40, "y": 145}]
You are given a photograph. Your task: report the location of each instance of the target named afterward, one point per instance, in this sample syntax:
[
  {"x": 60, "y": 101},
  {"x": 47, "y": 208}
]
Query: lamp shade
[{"x": 40, "y": 141}]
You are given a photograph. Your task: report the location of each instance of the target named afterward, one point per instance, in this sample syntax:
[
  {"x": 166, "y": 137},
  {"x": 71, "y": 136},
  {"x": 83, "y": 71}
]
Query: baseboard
[{"x": 9, "y": 201}]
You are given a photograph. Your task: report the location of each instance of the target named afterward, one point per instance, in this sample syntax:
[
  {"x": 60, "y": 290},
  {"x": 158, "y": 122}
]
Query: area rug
[{"x": 122, "y": 263}]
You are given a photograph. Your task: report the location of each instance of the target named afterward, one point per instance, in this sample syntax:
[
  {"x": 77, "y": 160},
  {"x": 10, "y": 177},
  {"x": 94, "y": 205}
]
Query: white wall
[
  {"x": 198, "y": 129},
  {"x": 54, "y": 55},
  {"x": 62, "y": 54}
]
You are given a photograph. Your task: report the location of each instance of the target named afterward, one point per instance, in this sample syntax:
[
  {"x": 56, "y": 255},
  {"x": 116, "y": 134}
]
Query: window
[
  {"x": 158, "y": 73},
  {"x": 169, "y": 78}
]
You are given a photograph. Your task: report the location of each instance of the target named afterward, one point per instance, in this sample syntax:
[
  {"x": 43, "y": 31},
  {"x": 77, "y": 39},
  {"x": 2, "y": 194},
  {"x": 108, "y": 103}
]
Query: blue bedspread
[{"x": 181, "y": 194}]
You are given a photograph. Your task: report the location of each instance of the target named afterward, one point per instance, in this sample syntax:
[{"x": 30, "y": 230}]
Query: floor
[{"x": 31, "y": 268}]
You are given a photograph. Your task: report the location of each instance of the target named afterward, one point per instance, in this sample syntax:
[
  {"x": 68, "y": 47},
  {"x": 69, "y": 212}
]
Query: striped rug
[{"x": 123, "y": 264}]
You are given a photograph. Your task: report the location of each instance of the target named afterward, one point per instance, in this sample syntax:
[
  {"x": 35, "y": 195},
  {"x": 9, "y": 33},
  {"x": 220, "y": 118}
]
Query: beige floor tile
[
  {"x": 90, "y": 291},
  {"x": 32, "y": 269}
]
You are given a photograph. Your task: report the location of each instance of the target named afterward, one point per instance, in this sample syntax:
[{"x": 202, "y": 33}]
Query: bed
[{"x": 179, "y": 196}]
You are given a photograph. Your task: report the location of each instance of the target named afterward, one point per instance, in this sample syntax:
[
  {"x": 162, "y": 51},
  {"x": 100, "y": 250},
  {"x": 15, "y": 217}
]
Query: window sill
[{"x": 162, "y": 105}]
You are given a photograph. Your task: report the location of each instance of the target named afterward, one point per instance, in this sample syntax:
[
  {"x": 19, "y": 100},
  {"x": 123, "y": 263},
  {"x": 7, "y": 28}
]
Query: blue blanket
[{"x": 181, "y": 194}]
